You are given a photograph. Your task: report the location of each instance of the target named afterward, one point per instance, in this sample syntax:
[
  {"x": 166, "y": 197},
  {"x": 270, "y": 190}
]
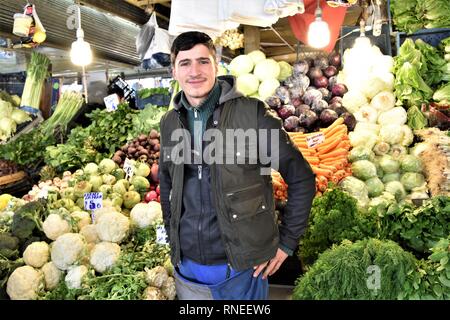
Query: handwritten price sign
[{"x": 93, "y": 201}]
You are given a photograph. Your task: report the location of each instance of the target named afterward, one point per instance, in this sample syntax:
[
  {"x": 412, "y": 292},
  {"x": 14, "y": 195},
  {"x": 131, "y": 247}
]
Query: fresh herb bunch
[
  {"x": 417, "y": 228},
  {"x": 28, "y": 149},
  {"x": 334, "y": 217},
  {"x": 432, "y": 279},
  {"x": 344, "y": 272},
  {"x": 37, "y": 72}
]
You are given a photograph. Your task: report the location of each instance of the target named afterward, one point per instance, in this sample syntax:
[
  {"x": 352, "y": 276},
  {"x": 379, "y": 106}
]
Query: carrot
[
  {"x": 322, "y": 187},
  {"x": 321, "y": 179},
  {"x": 312, "y": 159},
  {"x": 340, "y": 173},
  {"x": 336, "y": 131},
  {"x": 324, "y": 148},
  {"x": 323, "y": 172},
  {"x": 336, "y": 123},
  {"x": 328, "y": 167},
  {"x": 335, "y": 179},
  {"x": 344, "y": 144},
  {"x": 333, "y": 154}
]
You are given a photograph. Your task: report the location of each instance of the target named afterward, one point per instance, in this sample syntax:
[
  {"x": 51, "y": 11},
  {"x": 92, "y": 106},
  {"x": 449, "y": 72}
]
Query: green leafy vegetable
[
  {"x": 416, "y": 119},
  {"x": 37, "y": 72}
]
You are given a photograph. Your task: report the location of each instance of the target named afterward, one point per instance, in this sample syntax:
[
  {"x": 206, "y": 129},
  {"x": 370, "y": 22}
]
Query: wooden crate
[{"x": 12, "y": 178}]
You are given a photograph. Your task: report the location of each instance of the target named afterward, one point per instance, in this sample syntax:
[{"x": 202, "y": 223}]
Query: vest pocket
[{"x": 251, "y": 218}]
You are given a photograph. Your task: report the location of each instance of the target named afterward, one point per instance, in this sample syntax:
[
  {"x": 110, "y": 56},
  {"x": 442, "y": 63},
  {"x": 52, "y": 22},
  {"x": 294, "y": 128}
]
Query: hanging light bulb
[
  {"x": 80, "y": 53},
  {"x": 318, "y": 32}
]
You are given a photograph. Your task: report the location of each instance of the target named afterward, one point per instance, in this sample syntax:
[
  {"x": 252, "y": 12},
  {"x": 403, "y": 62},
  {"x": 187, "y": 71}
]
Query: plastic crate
[
  {"x": 430, "y": 36},
  {"x": 349, "y": 35},
  {"x": 161, "y": 100}
]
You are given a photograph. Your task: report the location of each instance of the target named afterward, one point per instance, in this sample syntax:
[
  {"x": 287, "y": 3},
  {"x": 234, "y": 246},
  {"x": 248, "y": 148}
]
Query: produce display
[
  {"x": 412, "y": 15},
  {"x": 231, "y": 39},
  {"x": 311, "y": 98},
  {"x": 373, "y": 128}
]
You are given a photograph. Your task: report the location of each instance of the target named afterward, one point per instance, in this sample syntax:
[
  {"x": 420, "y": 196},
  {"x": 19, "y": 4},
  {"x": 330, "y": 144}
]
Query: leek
[{"x": 37, "y": 72}]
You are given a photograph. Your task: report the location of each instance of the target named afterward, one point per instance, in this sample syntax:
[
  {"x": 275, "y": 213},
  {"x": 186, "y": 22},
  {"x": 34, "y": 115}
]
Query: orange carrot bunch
[
  {"x": 279, "y": 186},
  {"x": 327, "y": 153}
]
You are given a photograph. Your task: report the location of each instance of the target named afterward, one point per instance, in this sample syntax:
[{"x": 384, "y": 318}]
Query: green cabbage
[
  {"x": 374, "y": 186},
  {"x": 267, "y": 88},
  {"x": 396, "y": 189},
  {"x": 389, "y": 164},
  {"x": 391, "y": 177},
  {"x": 285, "y": 70},
  {"x": 411, "y": 180},
  {"x": 410, "y": 163},
  {"x": 356, "y": 188},
  {"x": 361, "y": 153},
  {"x": 241, "y": 65},
  {"x": 364, "y": 169},
  {"x": 267, "y": 69},
  {"x": 257, "y": 56},
  {"x": 247, "y": 84}
]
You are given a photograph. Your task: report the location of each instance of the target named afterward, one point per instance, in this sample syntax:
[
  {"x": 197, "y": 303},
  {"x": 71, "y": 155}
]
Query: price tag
[
  {"x": 93, "y": 200},
  {"x": 315, "y": 139},
  {"x": 43, "y": 194},
  {"x": 161, "y": 235},
  {"x": 111, "y": 102},
  {"x": 128, "y": 168}
]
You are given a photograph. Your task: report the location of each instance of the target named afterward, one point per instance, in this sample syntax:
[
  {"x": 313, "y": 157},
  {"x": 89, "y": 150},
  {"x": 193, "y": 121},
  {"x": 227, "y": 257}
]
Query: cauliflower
[
  {"x": 24, "y": 283},
  {"x": 67, "y": 250},
  {"x": 112, "y": 227},
  {"x": 36, "y": 254},
  {"x": 90, "y": 233},
  {"x": 52, "y": 275},
  {"x": 107, "y": 208},
  {"x": 55, "y": 226},
  {"x": 169, "y": 289},
  {"x": 104, "y": 256},
  {"x": 82, "y": 217},
  {"x": 143, "y": 214},
  {"x": 152, "y": 293},
  {"x": 75, "y": 276},
  {"x": 156, "y": 277}
]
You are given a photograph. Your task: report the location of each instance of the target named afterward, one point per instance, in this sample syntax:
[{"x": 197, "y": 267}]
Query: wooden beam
[
  {"x": 251, "y": 38},
  {"x": 120, "y": 8}
]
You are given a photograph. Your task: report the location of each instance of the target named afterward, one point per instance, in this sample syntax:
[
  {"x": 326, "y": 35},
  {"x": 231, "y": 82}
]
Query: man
[{"x": 219, "y": 216}]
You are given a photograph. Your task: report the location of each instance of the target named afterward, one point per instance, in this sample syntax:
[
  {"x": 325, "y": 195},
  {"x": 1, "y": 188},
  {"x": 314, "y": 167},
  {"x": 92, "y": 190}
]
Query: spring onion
[{"x": 37, "y": 72}]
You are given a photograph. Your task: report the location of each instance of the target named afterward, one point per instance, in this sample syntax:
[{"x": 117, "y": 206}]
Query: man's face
[{"x": 196, "y": 71}]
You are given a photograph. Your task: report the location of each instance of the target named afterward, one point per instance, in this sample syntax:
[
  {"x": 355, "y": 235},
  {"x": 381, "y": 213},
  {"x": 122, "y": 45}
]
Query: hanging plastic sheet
[{"x": 333, "y": 16}]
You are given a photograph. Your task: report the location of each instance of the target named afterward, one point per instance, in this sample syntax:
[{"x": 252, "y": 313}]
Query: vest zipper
[{"x": 199, "y": 172}]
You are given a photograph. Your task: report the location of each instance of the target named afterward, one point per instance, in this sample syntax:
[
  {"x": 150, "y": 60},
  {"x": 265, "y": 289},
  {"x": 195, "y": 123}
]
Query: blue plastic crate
[{"x": 430, "y": 36}]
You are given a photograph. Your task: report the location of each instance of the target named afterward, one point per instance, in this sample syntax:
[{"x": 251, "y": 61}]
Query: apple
[
  {"x": 151, "y": 196},
  {"x": 158, "y": 189}
]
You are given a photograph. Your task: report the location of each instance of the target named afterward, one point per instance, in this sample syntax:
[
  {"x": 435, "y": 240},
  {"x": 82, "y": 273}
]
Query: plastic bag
[
  {"x": 284, "y": 8},
  {"x": 145, "y": 36},
  {"x": 158, "y": 52}
]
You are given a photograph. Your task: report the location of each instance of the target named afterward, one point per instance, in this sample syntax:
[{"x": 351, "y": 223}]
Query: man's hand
[{"x": 272, "y": 265}]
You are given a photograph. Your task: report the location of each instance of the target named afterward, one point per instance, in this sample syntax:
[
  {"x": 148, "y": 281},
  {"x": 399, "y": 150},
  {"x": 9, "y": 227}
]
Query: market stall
[{"x": 80, "y": 216}]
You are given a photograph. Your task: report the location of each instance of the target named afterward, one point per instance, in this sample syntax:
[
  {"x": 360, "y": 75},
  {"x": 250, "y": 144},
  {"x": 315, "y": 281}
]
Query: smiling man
[{"x": 223, "y": 233}]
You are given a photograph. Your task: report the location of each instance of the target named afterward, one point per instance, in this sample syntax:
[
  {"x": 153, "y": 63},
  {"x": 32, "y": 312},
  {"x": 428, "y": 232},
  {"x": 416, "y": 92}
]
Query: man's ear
[{"x": 173, "y": 73}]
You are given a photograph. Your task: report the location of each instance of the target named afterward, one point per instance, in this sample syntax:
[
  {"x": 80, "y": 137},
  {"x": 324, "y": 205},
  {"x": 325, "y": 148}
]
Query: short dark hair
[{"x": 188, "y": 40}]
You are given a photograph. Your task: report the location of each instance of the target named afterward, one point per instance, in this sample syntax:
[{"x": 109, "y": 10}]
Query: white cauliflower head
[
  {"x": 112, "y": 227},
  {"x": 55, "y": 226},
  {"x": 52, "y": 275},
  {"x": 153, "y": 293},
  {"x": 104, "y": 255},
  {"x": 67, "y": 250},
  {"x": 82, "y": 218},
  {"x": 144, "y": 214},
  {"x": 90, "y": 233},
  {"x": 36, "y": 254},
  {"x": 156, "y": 277},
  {"x": 75, "y": 275},
  {"x": 169, "y": 289},
  {"x": 24, "y": 283}
]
